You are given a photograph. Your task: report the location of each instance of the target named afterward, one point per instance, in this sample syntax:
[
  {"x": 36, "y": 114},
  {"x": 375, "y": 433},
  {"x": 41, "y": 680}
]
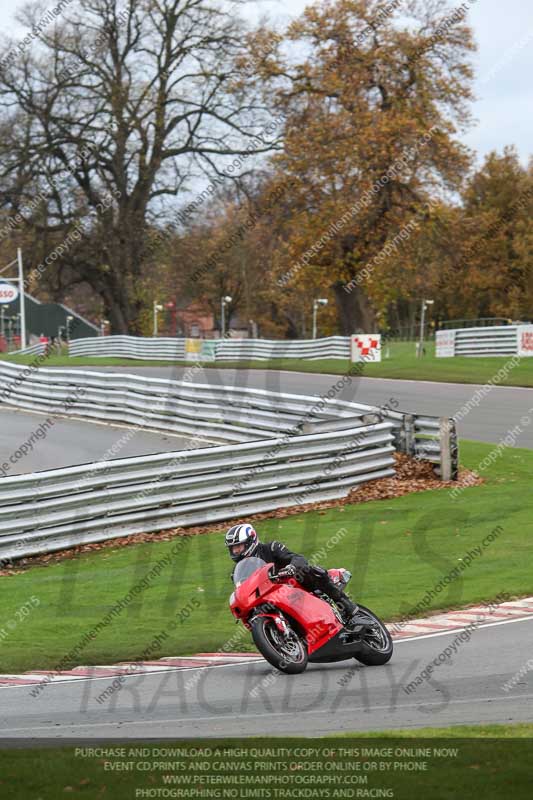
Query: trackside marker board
[
  {"x": 525, "y": 340},
  {"x": 365, "y": 347},
  {"x": 445, "y": 344}
]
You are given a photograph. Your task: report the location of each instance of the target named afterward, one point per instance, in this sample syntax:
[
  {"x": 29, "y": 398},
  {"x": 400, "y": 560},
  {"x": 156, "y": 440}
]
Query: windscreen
[{"x": 245, "y": 568}]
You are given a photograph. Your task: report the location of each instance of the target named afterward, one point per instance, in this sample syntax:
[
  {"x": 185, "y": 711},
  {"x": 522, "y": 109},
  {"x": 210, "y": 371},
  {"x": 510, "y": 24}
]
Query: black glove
[{"x": 287, "y": 572}]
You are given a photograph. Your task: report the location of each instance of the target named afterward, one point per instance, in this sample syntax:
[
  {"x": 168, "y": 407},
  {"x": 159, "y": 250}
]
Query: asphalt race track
[
  {"x": 497, "y": 413},
  {"x": 251, "y": 699},
  {"x": 69, "y": 442},
  {"x": 466, "y": 689}
]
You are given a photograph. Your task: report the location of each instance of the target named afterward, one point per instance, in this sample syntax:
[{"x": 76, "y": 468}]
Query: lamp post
[
  {"x": 103, "y": 323},
  {"x": 425, "y": 304},
  {"x": 22, "y": 299},
  {"x": 69, "y": 320},
  {"x": 320, "y": 301},
  {"x": 223, "y": 303},
  {"x": 157, "y": 307}
]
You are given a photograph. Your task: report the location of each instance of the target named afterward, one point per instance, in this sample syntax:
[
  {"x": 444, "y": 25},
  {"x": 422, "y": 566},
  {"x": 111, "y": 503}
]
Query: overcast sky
[{"x": 503, "y": 64}]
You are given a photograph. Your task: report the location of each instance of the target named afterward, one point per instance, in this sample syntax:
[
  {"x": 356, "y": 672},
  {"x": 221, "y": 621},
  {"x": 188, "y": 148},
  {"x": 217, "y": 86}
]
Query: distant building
[
  {"x": 42, "y": 319},
  {"x": 194, "y": 319}
]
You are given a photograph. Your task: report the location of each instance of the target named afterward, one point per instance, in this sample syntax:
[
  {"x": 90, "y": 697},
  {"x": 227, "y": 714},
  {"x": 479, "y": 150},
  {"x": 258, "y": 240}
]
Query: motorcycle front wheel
[
  {"x": 376, "y": 642},
  {"x": 286, "y": 653}
]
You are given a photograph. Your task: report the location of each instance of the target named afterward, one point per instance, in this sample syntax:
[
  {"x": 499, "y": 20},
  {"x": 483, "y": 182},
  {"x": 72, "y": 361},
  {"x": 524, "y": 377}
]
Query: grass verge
[
  {"x": 402, "y": 364},
  {"x": 397, "y": 550},
  {"x": 446, "y": 764},
  {"x": 517, "y": 731}
]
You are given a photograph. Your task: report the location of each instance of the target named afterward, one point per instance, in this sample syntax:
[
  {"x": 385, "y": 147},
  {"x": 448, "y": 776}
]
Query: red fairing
[{"x": 316, "y": 618}]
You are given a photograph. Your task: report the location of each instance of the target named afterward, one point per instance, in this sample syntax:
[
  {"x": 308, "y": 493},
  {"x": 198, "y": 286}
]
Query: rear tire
[
  {"x": 376, "y": 642},
  {"x": 289, "y": 657}
]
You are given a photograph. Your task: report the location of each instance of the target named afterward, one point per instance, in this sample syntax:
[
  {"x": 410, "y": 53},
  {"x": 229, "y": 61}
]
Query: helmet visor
[{"x": 238, "y": 549}]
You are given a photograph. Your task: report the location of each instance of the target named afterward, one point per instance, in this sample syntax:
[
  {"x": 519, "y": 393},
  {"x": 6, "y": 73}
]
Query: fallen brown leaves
[{"x": 411, "y": 476}]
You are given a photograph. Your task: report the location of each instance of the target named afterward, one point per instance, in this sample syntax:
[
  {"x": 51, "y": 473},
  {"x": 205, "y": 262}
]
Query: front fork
[{"x": 278, "y": 619}]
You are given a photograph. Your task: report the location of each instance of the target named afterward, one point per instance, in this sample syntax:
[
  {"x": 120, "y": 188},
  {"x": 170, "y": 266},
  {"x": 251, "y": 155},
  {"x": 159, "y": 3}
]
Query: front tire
[
  {"x": 289, "y": 656},
  {"x": 376, "y": 642}
]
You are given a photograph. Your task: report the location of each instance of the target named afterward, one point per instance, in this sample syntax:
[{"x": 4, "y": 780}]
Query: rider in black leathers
[{"x": 243, "y": 542}]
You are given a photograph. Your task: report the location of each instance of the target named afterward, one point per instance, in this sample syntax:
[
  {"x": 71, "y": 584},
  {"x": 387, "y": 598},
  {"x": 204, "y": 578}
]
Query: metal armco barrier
[
  {"x": 62, "y": 508},
  {"x": 162, "y": 349},
  {"x": 500, "y": 340},
  {"x": 286, "y": 450},
  {"x": 222, "y": 413},
  {"x": 168, "y": 349},
  {"x": 32, "y": 350},
  {"x": 435, "y": 440},
  {"x": 264, "y": 349}
]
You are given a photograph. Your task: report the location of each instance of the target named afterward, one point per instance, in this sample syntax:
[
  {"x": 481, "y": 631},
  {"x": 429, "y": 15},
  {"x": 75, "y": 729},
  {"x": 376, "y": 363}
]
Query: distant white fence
[
  {"x": 161, "y": 349},
  {"x": 501, "y": 340},
  {"x": 239, "y": 349},
  {"x": 170, "y": 349}
]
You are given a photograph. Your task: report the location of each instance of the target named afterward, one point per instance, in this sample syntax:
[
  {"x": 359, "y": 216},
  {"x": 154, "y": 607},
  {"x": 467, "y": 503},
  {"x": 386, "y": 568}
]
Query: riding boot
[{"x": 348, "y": 607}]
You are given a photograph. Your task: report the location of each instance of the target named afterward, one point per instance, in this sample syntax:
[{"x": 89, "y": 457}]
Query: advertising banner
[
  {"x": 8, "y": 293},
  {"x": 199, "y": 350}
]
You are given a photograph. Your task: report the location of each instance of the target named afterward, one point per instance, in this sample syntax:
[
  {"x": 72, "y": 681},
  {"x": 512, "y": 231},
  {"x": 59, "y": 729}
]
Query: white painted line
[
  {"x": 60, "y": 679},
  {"x": 482, "y": 626},
  {"x": 213, "y": 658}
]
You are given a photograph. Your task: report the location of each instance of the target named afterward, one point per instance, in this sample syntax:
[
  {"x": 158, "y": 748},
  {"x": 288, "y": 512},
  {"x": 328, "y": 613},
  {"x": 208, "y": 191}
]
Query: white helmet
[{"x": 242, "y": 541}]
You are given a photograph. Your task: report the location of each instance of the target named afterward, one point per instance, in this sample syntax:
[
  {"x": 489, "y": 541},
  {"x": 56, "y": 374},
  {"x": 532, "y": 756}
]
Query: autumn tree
[
  {"x": 231, "y": 249},
  {"x": 113, "y": 111},
  {"x": 374, "y": 94},
  {"x": 496, "y": 248}
]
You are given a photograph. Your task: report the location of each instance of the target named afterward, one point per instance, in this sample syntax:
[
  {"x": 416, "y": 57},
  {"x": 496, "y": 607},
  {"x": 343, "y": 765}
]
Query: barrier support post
[{"x": 447, "y": 443}]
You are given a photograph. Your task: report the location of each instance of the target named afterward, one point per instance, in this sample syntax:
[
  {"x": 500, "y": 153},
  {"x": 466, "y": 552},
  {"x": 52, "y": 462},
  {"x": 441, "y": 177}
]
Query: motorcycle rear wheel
[
  {"x": 289, "y": 656},
  {"x": 376, "y": 642}
]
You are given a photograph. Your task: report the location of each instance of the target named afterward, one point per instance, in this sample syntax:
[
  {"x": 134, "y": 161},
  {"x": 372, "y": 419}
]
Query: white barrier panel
[{"x": 365, "y": 347}]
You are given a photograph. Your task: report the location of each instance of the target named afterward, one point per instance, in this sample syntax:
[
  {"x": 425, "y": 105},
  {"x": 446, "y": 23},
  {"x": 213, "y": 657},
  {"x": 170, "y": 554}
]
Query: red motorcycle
[{"x": 292, "y": 626}]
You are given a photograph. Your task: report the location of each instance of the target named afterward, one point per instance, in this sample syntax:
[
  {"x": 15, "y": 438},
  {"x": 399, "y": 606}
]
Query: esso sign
[{"x": 8, "y": 293}]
